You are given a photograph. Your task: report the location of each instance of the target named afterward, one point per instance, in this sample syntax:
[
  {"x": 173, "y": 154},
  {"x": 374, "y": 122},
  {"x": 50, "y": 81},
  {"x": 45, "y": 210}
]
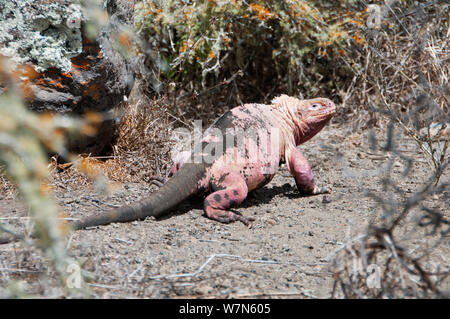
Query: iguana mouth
[{"x": 326, "y": 113}]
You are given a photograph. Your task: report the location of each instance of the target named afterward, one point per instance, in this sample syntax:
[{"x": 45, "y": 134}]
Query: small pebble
[{"x": 326, "y": 199}]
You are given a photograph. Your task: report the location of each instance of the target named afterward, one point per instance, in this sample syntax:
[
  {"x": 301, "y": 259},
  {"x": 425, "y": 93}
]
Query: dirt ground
[{"x": 284, "y": 255}]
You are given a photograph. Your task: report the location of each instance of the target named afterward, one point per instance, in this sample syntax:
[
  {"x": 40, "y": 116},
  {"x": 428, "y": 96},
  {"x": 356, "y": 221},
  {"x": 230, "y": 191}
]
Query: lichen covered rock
[
  {"x": 75, "y": 74},
  {"x": 46, "y": 35}
]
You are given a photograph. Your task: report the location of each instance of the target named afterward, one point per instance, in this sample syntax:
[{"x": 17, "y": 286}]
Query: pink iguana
[{"x": 227, "y": 172}]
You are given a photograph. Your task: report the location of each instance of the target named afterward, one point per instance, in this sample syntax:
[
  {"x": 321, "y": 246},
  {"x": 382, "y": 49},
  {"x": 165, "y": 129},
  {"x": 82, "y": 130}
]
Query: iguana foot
[
  {"x": 314, "y": 190},
  {"x": 157, "y": 180},
  {"x": 321, "y": 190},
  {"x": 226, "y": 216}
]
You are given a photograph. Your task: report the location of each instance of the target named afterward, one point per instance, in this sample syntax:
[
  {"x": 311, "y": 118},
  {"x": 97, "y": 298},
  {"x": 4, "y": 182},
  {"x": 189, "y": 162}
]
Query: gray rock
[
  {"x": 75, "y": 74},
  {"x": 41, "y": 34}
]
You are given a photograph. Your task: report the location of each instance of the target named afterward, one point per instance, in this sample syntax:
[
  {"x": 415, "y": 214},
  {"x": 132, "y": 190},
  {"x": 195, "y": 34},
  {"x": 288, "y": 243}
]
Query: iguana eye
[{"x": 315, "y": 106}]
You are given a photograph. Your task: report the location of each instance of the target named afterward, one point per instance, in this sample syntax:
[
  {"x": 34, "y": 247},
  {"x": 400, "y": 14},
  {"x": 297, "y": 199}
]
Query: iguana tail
[
  {"x": 178, "y": 188},
  {"x": 183, "y": 184}
]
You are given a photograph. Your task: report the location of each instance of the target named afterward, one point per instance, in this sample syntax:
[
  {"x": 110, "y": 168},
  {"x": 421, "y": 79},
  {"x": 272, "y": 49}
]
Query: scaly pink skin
[{"x": 240, "y": 170}]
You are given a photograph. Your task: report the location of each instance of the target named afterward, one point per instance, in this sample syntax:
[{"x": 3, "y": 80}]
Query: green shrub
[{"x": 264, "y": 47}]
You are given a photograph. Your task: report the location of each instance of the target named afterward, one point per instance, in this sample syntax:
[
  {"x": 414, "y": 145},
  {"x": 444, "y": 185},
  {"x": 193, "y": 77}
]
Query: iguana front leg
[
  {"x": 304, "y": 178},
  {"x": 229, "y": 190}
]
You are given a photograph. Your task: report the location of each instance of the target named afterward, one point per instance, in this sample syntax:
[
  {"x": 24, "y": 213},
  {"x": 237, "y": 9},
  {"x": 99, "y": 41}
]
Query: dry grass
[
  {"x": 7, "y": 189},
  {"x": 403, "y": 67},
  {"x": 143, "y": 143},
  {"x": 142, "y": 149},
  {"x": 401, "y": 81},
  {"x": 391, "y": 259}
]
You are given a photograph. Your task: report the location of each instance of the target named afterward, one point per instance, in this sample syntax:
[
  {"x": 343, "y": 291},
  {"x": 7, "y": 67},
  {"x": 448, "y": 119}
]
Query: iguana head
[
  {"x": 314, "y": 115},
  {"x": 308, "y": 116}
]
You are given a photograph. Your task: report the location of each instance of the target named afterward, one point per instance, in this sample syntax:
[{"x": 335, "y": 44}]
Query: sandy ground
[{"x": 285, "y": 254}]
